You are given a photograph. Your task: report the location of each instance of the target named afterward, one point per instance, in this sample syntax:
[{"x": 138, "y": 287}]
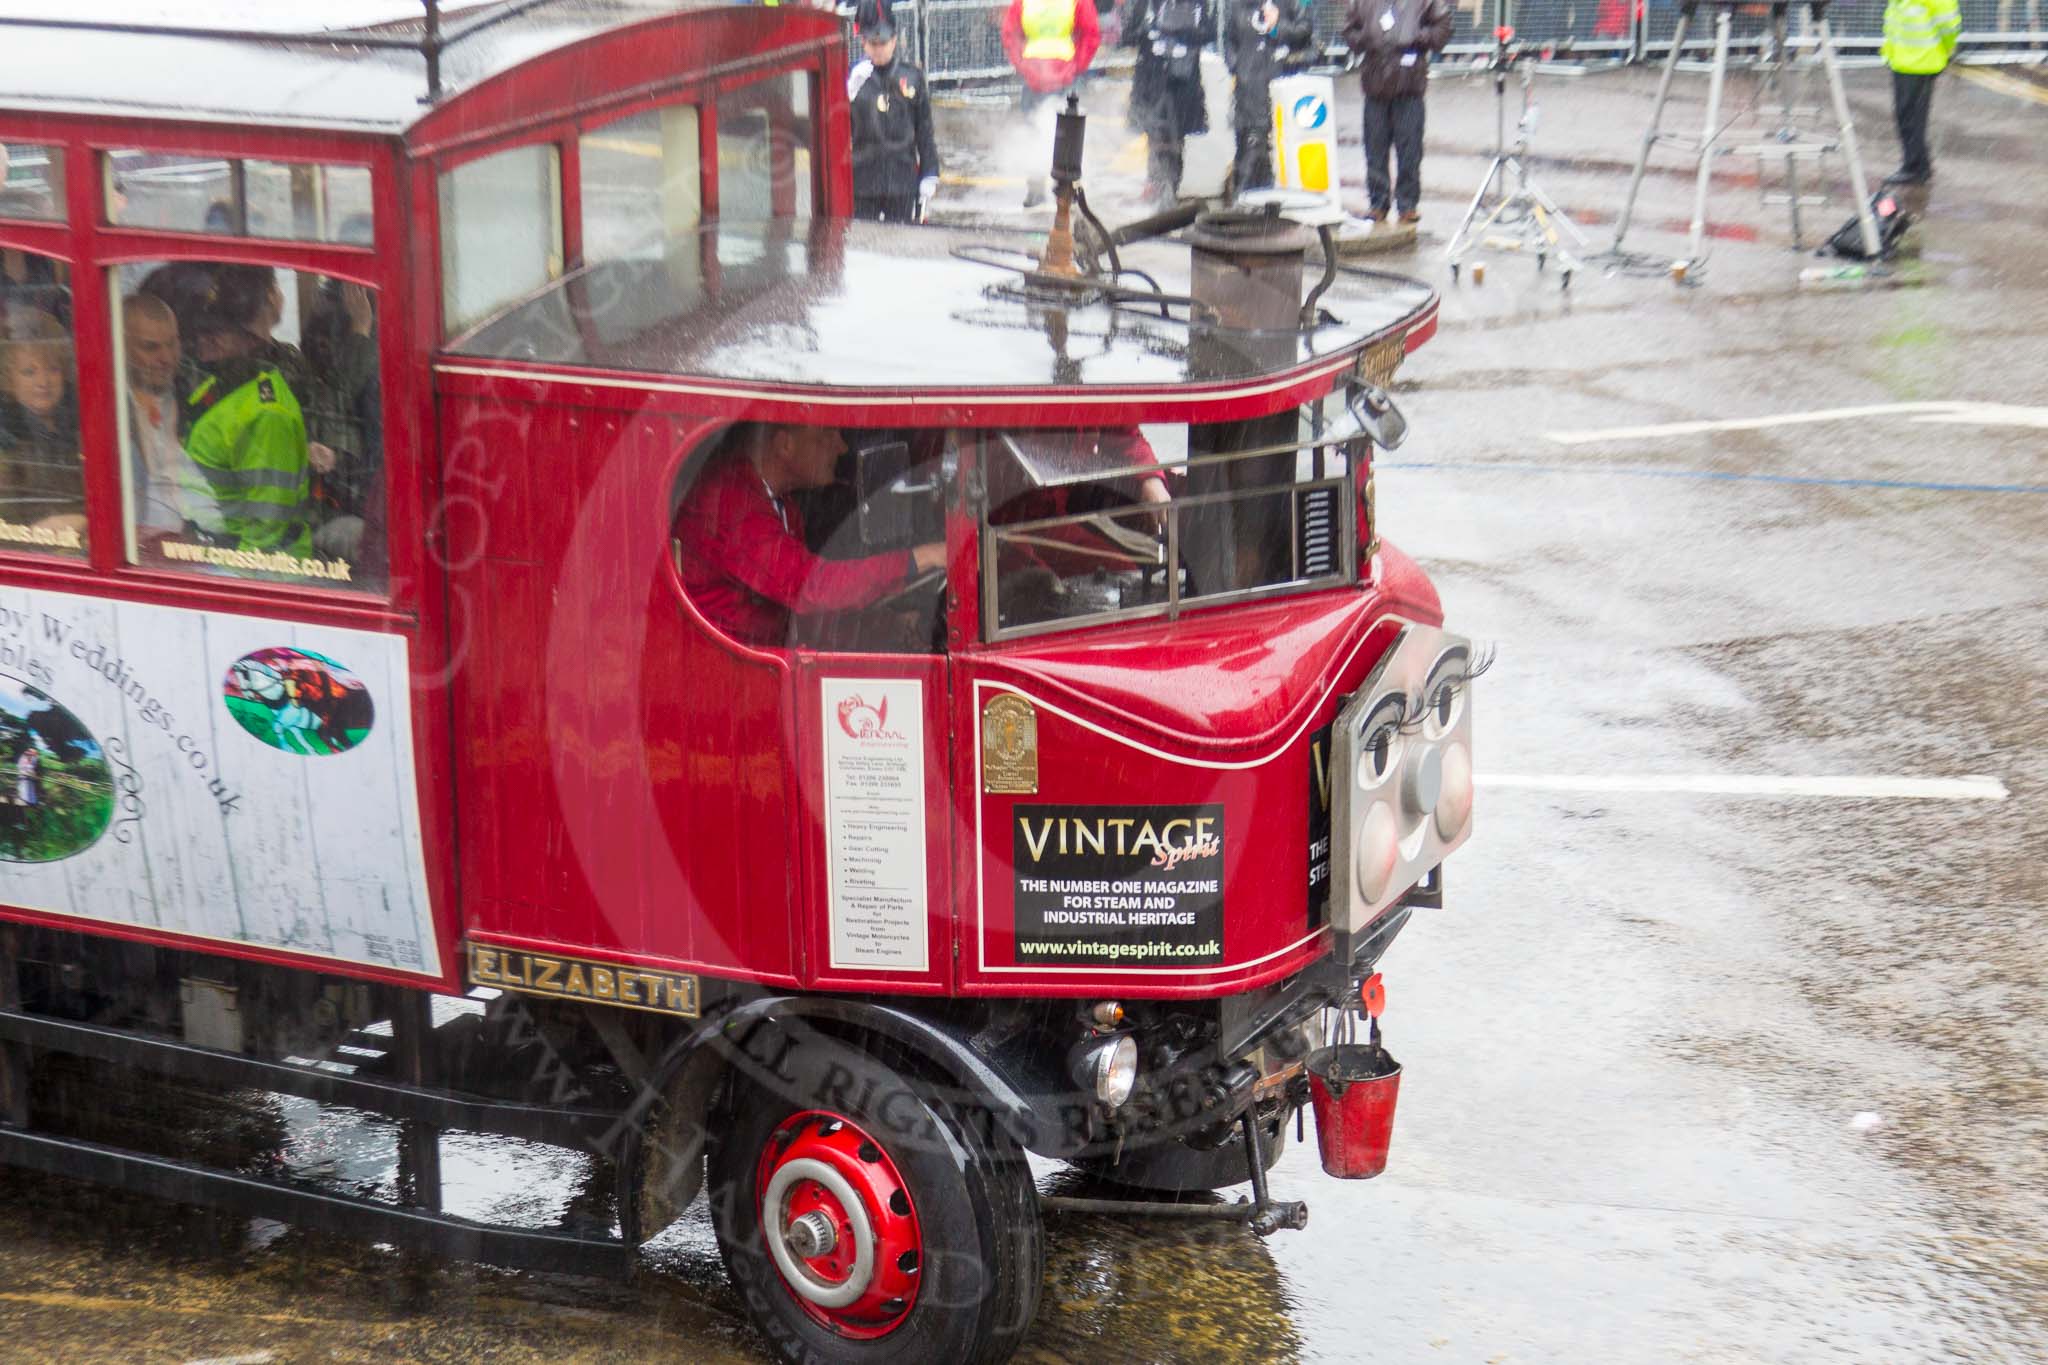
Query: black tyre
[
  {"x": 898, "y": 1228},
  {"x": 1176, "y": 1168}
]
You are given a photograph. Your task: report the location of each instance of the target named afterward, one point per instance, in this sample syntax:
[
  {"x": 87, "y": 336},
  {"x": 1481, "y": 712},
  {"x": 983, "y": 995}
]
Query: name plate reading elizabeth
[{"x": 569, "y": 978}]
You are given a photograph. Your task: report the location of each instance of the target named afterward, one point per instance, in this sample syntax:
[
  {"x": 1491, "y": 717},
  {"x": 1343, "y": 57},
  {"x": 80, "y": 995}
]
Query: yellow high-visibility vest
[
  {"x": 1920, "y": 35},
  {"x": 1049, "y": 30}
]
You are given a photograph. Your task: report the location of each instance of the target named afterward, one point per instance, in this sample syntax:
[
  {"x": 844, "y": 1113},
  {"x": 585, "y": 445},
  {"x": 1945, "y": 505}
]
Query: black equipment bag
[{"x": 1892, "y": 222}]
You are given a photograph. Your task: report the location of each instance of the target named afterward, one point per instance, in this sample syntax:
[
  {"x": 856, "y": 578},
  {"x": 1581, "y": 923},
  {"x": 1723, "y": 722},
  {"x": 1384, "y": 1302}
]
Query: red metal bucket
[{"x": 1353, "y": 1087}]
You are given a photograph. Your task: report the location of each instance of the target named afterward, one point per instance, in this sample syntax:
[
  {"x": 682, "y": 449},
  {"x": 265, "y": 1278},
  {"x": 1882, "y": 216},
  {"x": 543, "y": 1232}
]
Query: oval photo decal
[
  {"x": 56, "y": 791},
  {"x": 298, "y": 701}
]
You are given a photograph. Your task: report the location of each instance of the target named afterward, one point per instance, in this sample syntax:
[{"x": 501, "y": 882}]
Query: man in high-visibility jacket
[
  {"x": 1050, "y": 42},
  {"x": 1919, "y": 38},
  {"x": 245, "y": 428},
  {"x": 248, "y": 447}
]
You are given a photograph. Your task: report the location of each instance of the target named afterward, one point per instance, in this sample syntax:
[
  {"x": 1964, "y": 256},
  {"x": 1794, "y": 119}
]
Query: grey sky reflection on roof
[{"x": 838, "y": 305}]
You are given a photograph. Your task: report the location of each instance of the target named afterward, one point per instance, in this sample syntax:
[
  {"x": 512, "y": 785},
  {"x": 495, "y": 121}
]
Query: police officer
[{"x": 895, "y": 155}]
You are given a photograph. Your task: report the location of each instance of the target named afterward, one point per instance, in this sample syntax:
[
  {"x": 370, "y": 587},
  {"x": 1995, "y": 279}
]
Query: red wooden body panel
[
  {"x": 627, "y": 777},
  {"x": 412, "y": 605},
  {"x": 600, "y": 772},
  {"x": 637, "y": 786},
  {"x": 609, "y": 73},
  {"x": 1198, "y": 712}
]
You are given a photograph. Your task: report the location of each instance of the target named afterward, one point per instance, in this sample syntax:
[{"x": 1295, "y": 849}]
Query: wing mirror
[{"x": 1372, "y": 407}]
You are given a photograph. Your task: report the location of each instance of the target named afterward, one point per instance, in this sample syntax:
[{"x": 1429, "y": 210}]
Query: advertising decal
[
  {"x": 1130, "y": 886},
  {"x": 1318, "y": 829},
  {"x": 209, "y": 774},
  {"x": 874, "y": 822}
]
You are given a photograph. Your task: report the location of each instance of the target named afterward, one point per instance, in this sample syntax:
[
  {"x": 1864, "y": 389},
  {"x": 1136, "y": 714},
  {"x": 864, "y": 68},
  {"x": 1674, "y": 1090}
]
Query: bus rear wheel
[{"x": 863, "y": 1216}]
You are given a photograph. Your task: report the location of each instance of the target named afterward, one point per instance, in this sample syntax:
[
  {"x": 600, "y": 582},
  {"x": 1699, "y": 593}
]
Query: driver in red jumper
[{"x": 740, "y": 541}]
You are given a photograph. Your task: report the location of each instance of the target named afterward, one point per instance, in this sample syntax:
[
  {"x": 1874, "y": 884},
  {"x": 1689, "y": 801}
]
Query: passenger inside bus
[
  {"x": 170, "y": 490},
  {"x": 741, "y": 548},
  {"x": 41, "y": 480},
  {"x": 29, "y": 281},
  {"x": 1078, "y": 522},
  {"x": 247, "y": 429},
  {"x": 274, "y": 459},
  {"x": 1017, "y": 496}
]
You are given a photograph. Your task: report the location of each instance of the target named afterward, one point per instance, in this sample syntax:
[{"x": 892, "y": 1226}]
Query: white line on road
[
  {"x": 1965, "y": 414},
  {"x": 1718, "y": 784}
]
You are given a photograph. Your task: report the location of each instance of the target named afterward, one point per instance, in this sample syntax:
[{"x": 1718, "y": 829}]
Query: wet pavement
[{"x": 1702, "y": 1078}]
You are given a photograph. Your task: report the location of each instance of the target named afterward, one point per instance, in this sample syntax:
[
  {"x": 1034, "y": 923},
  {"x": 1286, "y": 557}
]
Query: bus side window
[
  {"x": 197, "y": 192},
  {"x": 642, "y": 184},
  {"x": 251, "y": 422},
  {"x": 501, "y": 231},
  {"x": 764, "y": 149},
  {"x": 31, "y": 181},
  {"x": 42, "y": 477}
]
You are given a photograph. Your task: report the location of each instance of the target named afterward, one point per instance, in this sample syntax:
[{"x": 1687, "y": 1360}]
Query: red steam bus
[{"x": 518, "y": 615}]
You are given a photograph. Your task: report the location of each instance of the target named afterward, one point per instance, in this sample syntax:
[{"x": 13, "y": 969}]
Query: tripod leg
[
  {"x": 1650, "y": 136},
  {"x": 1857, "y": 185},
  {"x": 1709, "y": 134},
  {"x": 1792, "y": 193},
  {"x": 1559, "y": 215},
  {"x": 1547, "y": 221},
  {"x": 1459, "y": 246}
]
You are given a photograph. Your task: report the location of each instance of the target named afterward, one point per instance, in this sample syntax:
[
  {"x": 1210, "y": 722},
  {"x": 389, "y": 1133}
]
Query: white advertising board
[
  {"x": 216, "y": 775},
  {"x": 874, "y": 822}
]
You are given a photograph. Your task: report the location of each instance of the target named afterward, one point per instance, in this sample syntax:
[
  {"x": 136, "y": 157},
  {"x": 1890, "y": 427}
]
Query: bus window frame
[
  {"x": 102, "y": 171},
  {"x": 559, "y": 135},
  {"x": 565, "y": 131},
  {"x": 56, "y": 245},
  {"x": 91, "y": 248},
  {"x": 62, "y": 221}
]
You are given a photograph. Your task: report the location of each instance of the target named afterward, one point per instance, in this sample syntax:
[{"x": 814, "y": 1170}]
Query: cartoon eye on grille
[
  {"x": 1381, "y": 743},
  {"x": 1443, "y": 695}
]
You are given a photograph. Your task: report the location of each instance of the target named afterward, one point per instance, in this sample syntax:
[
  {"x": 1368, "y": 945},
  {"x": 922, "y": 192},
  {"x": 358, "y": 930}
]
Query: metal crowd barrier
[{"x": 960, "y": 41}]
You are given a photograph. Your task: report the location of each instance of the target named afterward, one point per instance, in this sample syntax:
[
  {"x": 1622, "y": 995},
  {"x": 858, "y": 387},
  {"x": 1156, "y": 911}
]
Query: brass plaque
[
  {"x": 569, "y": 978},
  {"x": 1382, "y": 358},
  {"x": 1009, "y": 746}
]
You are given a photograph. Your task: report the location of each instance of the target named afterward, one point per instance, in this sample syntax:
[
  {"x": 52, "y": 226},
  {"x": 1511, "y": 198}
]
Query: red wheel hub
[{"x": 839, "y": 1224}]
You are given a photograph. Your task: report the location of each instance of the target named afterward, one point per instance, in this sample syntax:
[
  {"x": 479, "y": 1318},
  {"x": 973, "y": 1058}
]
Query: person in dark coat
[
  {"x": 1394, "y": 39},
  {"x": 1168, "y": 104},
  {"x": 1272, "y": 37},
  {"x": 895, "y": 152}
]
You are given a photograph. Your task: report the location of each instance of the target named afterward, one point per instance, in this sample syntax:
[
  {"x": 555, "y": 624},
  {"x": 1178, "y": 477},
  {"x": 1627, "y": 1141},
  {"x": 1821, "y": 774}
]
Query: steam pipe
[{"x": 1172, "y": 220}]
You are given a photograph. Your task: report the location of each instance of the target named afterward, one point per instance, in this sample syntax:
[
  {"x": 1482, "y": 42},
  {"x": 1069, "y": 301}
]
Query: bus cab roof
[
  {"x": 839, "y": 305},
  {"x": 369, "y": 79}
]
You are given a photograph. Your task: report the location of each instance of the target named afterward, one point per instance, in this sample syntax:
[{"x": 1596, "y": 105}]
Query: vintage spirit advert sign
[
  {"x": 222, "y": 776},
  {"x": 1132, "y": 886},
  {"x": 874, "y": 822}
]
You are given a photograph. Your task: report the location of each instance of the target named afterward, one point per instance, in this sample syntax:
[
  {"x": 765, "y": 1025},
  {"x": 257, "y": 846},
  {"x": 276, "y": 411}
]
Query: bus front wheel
[{"x": 865, "y": 1215}]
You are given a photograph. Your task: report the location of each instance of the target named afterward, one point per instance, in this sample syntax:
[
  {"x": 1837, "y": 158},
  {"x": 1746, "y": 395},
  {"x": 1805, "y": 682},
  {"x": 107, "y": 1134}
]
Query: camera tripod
[{"x": 1525, "y": 219}]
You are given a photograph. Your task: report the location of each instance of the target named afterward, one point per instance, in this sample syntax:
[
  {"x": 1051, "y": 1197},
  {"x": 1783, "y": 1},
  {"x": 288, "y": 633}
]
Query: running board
[
  {"x": 581, "y": 1129},
  {"x": 186, "y": 1183}
]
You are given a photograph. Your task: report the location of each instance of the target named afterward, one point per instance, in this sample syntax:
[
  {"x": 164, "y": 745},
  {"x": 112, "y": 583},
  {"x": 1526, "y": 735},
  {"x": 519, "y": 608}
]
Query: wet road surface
[{"x": 1701, "y": 1078}]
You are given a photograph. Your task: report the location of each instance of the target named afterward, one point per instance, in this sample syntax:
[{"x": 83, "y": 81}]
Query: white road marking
[
  {"x": 1964, "y": 414},
  {"x": 1734, "y": 784}
]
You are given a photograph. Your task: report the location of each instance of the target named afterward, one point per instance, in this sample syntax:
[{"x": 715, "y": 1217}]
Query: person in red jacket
[
  {"x": 740, "y": 542},
  {"x": 1050, "y": 42}
]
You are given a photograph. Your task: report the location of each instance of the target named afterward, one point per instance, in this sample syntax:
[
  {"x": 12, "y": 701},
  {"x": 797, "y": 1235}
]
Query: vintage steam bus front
[{"x": 520, "y": 617}]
